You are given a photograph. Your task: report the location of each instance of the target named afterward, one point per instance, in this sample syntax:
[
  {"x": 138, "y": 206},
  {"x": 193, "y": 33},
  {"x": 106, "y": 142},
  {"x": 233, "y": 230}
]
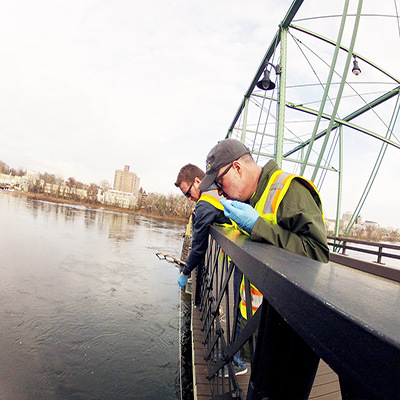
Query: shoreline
[{"x": 43, "y": 197}]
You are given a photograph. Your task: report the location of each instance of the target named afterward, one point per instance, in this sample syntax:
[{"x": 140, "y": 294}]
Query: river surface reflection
[{"x": 87, "y": 309}]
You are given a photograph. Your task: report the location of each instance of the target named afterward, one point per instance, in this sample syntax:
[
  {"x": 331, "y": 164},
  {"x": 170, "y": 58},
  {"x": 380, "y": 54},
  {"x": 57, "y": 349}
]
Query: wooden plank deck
[{"x": 325, "y": 387}]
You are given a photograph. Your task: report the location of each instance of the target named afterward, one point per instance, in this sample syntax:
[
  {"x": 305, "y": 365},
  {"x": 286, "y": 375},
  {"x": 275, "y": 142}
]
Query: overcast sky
[{"x": 90, "y": 86}]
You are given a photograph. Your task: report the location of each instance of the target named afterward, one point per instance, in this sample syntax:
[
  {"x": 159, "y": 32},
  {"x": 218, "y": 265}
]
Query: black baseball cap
[{"x": 223, "y": 153}]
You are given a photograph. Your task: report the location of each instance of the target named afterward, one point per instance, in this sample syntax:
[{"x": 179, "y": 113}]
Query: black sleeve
[{"x": 205, "y": 215}]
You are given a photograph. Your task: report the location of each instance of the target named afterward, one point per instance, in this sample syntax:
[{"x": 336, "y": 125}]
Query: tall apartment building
[{"x": 125, "y": 181}]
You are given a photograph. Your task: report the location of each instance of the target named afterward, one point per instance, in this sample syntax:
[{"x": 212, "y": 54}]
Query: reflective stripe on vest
[
  {"x": 278, "y": 181},
  {"x": 267, "y": 207},
  {"x": 276, "y": 189},
  {"x": 256, "y": 298},
  {"x": 213, "y": 198}
]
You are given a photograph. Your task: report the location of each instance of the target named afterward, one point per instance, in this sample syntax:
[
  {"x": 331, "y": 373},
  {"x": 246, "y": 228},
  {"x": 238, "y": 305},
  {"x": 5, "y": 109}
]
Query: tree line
[
  {"x": 54, "y": 186},
  {"x": 7, "y": 170},
  {"x": 171, "y": 205}
]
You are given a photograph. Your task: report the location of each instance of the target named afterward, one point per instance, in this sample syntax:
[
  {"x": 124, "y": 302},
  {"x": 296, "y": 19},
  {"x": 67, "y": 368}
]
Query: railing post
[
  {"x": 344, "y": 247},
  {"x": 199, "y": 282},
  {"x": 336, "y": 246},
  {"x": 284, "y": 366},
  {"x": 379, "y": 260}
]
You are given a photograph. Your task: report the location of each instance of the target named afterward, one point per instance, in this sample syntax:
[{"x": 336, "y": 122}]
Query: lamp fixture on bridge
[
  {"x": 266, "y": 83},
  {"x": 356, "y": 69}
]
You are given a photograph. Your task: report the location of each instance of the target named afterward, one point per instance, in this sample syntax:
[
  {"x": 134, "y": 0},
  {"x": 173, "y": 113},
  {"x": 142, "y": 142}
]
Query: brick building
[{"x": 125, "y": 181}]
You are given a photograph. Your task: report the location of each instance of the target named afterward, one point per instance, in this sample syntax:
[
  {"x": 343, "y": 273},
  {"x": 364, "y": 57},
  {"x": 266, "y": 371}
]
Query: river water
[{"x": 87, "y": 311}]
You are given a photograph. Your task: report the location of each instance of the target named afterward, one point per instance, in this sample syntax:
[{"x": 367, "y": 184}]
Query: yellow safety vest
[
  {"x": 267, "y": 207},
  {"x": 213, "y": 198},
  {"x": 256, "y": 298},
  {"x": 276, "y": 189}
]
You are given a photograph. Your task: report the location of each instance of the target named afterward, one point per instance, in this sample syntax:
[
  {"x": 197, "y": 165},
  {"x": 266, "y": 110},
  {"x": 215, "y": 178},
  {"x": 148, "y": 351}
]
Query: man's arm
[
  {"x": 205, "y": 215},
  {"x": 300, "y": 228}
]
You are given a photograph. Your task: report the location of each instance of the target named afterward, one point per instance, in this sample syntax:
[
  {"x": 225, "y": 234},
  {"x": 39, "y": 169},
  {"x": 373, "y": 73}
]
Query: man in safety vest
[
  {"x": 274, "y": 207},
  {"x": 270, "y": 205},
  {"x": 208, "y": 210}
]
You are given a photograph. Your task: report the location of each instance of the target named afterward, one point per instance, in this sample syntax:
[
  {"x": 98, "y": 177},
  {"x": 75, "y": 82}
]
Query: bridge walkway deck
[{"x": 325, "y": 387}]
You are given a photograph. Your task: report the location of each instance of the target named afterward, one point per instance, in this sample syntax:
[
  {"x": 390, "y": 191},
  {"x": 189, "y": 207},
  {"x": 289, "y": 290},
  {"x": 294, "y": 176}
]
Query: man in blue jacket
[{"x": 208, "y": 211}]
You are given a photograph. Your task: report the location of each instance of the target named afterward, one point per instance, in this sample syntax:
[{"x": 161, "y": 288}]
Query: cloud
[{"x": 89, "y": 86}]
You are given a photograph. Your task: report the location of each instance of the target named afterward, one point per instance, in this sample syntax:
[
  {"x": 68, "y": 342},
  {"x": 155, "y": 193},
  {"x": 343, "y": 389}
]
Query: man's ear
[
  {"x": 197, "y": 180},
  {"x": 237, "y": 166}
]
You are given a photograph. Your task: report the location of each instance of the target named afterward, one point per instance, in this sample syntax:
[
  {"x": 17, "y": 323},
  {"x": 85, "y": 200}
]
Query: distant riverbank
[{"x": 45, "y": 197}]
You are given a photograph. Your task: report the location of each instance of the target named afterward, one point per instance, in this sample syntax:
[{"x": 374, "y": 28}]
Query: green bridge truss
[{"x": 319, "y": 104}]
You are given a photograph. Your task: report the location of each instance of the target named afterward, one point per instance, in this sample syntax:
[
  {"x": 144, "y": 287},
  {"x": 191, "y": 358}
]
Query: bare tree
[
  {"x": 21, "y": 172},
  {"x": 92, "y": 193},
  {"x": 4, "y": 168},
  {"x": 171, "y": 205},
  {"x": 70, "y": 182},
  {"x": 394, "y": 235},
  {"x": 104, "y": 185}
]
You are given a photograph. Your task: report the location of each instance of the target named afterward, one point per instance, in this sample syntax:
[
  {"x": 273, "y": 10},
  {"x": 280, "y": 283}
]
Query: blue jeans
[{"x": 237, "y": 276}]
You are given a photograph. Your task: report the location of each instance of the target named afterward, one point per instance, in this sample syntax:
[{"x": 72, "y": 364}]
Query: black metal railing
[
  {"x": 340, "y": 248},
  {"x": 310, "y": 310},
  {"x": 377, "y": 249}
]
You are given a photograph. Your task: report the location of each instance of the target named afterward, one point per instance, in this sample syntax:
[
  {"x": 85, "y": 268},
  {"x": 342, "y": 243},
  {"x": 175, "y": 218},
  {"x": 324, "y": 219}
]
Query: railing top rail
[
  {"x": 351, "y": 319},
  {"x": 366, "y": 242}
]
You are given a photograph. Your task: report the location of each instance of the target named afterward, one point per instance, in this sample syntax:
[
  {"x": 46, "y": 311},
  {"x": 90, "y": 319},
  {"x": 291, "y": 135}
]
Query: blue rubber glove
[
  {"x": 182, "y": 280},
  {"x": 243, "y": 214}
]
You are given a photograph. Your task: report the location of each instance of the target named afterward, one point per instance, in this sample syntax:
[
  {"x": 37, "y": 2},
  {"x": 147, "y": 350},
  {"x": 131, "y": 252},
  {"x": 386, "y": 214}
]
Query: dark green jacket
[{"x": 300, "y": 228}]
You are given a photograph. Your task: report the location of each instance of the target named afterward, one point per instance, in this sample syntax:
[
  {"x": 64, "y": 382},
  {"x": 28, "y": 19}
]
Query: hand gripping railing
[{"x": 310, "y": 311}]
